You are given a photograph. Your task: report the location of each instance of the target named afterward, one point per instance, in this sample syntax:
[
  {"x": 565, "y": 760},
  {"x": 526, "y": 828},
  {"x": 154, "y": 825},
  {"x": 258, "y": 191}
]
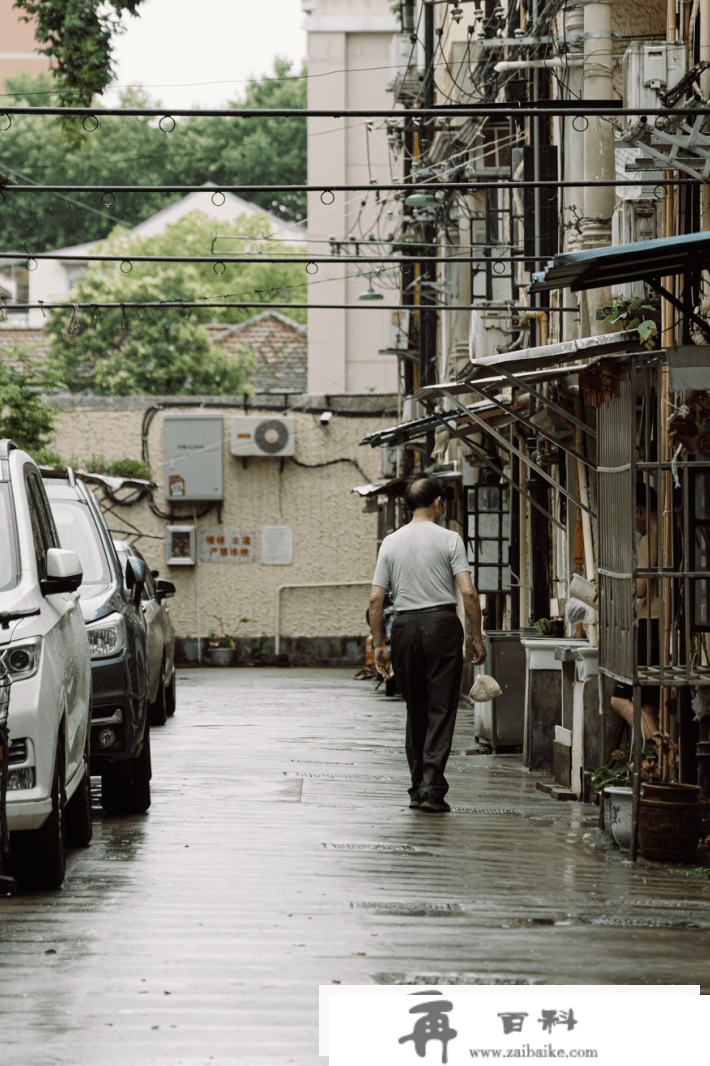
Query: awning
[
  {"x": 548, "y": 355},
  {"x": 642, "y": 260},
  {"x": 397, "y": 486},
  {"x": 648, "y": 261},
  {"x": 419, "y": 427}
]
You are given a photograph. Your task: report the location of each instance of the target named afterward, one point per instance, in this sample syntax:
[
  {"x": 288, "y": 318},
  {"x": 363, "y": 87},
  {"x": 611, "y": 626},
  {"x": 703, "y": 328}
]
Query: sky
[{"x": 200, "y": 53}]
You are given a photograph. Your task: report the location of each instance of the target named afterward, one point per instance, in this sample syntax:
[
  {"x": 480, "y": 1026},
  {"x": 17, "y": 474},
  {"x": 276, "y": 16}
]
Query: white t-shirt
[{"x": 418, "y": 563}]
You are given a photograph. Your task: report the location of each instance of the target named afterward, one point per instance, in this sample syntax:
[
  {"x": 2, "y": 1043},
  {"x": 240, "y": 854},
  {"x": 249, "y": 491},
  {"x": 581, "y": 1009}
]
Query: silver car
[{"x": 161, "y": 636}]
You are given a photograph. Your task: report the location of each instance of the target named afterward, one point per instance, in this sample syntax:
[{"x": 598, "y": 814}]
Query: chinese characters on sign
[
  {"x": 513, "y": 1022},
  {"x": 226, "y": 546}
]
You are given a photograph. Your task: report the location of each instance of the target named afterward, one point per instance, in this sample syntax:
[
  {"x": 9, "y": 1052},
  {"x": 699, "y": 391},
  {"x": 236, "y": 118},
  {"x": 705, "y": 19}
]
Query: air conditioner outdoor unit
[
  {"x": 263, "y": 435},
  {"x": 647, "y": 67},
  {"x": 632, "y": 221},
  {"x": 489, "y": 332},
  {"x": 388, "y": 461}
]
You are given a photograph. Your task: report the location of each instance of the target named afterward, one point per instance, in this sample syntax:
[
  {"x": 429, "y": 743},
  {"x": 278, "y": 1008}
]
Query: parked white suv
[{"x": 44, "y": 653}]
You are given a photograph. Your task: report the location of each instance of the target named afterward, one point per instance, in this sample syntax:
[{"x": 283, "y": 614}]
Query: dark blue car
[{"x": 120, "y": 721}]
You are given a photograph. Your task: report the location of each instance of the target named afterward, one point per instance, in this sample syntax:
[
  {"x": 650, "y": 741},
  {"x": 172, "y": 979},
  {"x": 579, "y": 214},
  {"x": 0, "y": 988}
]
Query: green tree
[
  {"x": 77, "y": 35},
  {"x": 24, "y": 416},
  {"x": 134, "y": 151},
  {"x": 164, "y": 351}
]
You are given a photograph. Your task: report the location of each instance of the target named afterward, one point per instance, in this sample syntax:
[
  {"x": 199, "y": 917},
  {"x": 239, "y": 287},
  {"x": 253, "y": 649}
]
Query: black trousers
[{"x": 427, "y": 657}]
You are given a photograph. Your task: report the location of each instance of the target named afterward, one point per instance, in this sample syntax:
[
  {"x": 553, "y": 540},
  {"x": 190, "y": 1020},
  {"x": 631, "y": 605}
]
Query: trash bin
[{"x": 500, "y": 722}]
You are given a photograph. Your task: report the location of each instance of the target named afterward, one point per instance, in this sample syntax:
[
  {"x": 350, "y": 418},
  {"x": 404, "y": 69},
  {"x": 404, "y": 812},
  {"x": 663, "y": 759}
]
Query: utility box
[
  {"x": 634, "y": 221},
  {"x": 180, "y": 545},
  {"x": 192, "y": 456}
]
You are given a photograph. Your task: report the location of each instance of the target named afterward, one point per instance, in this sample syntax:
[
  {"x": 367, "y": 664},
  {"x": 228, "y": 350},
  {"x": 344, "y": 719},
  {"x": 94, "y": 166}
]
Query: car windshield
[
  {"x": 9, "y": 573},
  {"x": 78, "y": 531}
]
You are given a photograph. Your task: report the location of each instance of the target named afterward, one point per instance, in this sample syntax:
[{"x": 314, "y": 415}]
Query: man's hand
[
  {"x": 382, "y": 660},
  {"x": 481, "y": 653}
]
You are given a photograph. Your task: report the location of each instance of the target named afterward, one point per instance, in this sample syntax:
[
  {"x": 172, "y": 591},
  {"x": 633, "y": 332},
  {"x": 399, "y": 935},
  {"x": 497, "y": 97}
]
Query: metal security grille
[
  {"x": 676, "y": 571},
  {"x": 488, "y": 534},
  {"x": 616, "y": 533}
]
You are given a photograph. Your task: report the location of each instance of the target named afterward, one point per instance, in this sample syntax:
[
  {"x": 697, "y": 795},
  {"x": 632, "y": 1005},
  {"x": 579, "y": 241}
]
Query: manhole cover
[
  {"x": 400, "y": 849},
  {"x": 413, "y": 910},
  {"x": 488, "y": 810},
  {"x": 384, "y": 978},
  {"x": 337, "y": 777},
  {"x": 629, "y": 922}
]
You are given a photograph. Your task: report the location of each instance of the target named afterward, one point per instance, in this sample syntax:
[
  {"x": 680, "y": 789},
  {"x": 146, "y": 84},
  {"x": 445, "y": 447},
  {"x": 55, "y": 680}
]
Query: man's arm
[
  {"x": 472, "y": 607},
  {"x": 382, "y": 655}
]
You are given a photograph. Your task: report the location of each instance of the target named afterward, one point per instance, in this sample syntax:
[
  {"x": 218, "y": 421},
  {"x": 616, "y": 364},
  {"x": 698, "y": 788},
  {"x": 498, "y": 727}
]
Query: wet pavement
[{"x": 279, "y": 854}]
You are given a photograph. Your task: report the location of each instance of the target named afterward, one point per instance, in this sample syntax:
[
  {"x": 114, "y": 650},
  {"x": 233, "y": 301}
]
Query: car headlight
[
  {"x": 107, "y": 637},
  {"x": 22, "y": 660}
]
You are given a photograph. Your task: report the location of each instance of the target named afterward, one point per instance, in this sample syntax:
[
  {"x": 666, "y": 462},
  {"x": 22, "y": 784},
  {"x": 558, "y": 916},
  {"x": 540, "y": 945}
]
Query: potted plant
[
  {"x": 613, "y": 784},
  {"x": 220, "y": 649}
]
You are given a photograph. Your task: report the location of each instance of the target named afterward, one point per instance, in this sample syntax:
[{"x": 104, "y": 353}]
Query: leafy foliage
[
  {"x": 630, "y": 312},
  {"x": 97, "y": 464},
  {"x": 24, "y": 416},
  {"x": 162, "y": 351},
  {"x": 134, "y": 151},
  {"x": 619, "y": 771},
  {"x": 77, "y": 35}
]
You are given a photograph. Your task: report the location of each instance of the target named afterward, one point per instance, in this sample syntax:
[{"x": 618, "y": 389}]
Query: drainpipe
[
  {"x": 541, "y": 317},
  {"x": 599, "y": 162},
  {"x": 573, "y": 163},
  {"x": 308, "y": 585}
]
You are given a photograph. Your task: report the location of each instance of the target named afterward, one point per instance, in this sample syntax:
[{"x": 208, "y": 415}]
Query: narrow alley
[{"x": 279, "y": 854}]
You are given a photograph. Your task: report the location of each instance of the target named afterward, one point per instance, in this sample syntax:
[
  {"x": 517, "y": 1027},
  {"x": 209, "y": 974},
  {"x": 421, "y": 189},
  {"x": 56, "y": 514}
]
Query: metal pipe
[
  {"x": 551, "y": 107},
  {"x": 430, "y": 184},
  {"x": 309, "y": 585},
  {"x": 536, "y": 64},
  {"x": 168, "y": 304}
]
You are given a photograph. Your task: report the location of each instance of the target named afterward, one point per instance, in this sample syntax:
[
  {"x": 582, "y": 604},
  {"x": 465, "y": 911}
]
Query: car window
[
  {"x": 77, "y": 530},
  {"x": 9, "y": 570},
  {"x": 42, "y": 530}
]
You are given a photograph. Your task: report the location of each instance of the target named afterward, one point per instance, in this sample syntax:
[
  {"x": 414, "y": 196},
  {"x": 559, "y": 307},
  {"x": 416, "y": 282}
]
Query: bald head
[{"x": 423, "y": 492}]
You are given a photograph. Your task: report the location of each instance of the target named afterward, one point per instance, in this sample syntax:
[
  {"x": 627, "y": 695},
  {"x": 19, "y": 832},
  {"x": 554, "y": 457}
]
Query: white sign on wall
[
  {"x": 226, "y": 546},
  {"x": 277, "y": 545}
]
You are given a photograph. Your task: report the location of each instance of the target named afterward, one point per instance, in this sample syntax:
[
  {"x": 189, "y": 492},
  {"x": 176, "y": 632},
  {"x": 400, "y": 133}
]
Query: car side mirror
[
  {"x": 64, "y": 572},
  {"x": 164, "y": 589},
  {"x": 135, "y": 577}
]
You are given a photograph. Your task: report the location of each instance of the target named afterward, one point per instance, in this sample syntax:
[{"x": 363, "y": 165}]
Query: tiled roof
[{"x": 279, "y": 345}]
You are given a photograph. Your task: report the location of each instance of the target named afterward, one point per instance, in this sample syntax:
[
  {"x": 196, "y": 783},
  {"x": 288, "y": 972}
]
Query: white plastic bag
[{"x": 485, "y": 688}]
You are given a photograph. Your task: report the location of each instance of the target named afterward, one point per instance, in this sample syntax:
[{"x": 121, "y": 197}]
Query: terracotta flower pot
[{"x": 669, "y": 832}]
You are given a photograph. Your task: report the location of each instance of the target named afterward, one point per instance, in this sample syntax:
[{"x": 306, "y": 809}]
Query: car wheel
[
  {"x": 38, "y": 855},
  {"x": 158, "y": 710},
  {"x": 79, "y": 819},
  {"x": 128, "y": 791},
  {"x": 170, "y": 697}
]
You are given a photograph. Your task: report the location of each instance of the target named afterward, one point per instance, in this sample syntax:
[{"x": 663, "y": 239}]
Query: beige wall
[
  {"x": 354, "y": 44},
  {"x": 18, "y": 48},
  {"x": 333, "y": 539}
]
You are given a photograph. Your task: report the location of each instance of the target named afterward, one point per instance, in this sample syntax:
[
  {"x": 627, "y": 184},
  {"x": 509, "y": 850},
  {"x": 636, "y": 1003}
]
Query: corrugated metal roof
[
  {"x": 407, "y": 431},
  {"x": 552, "y": 354},
  {"x": 625, "y": 262}
]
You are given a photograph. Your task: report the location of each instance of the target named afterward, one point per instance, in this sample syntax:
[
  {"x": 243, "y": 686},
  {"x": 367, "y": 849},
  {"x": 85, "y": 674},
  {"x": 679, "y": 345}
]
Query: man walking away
[{"x": 421, "y": 564}]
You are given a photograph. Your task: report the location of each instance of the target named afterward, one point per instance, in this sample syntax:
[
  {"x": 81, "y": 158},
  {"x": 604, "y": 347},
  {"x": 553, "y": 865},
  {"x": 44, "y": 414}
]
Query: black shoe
[
  {"x": 415, "y": 803},
  {"x": 432, "y": 807}
]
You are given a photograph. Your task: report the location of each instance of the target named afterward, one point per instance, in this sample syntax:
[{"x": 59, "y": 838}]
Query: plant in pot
[
  {"x": 220, "y": 649},
  {"x": 613, "y": 784},
  {"x": 221, "y": 646}
]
